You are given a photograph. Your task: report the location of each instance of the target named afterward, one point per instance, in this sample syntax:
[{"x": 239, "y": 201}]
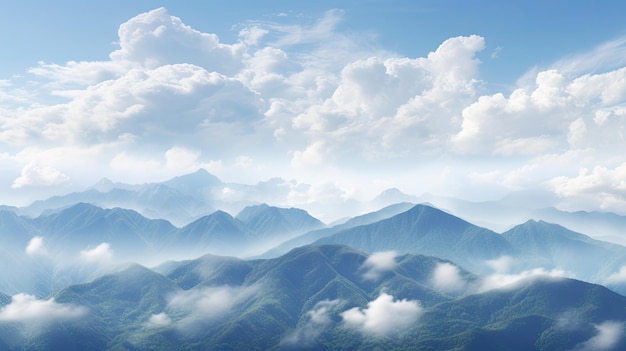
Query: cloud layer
[{"x": 292, "y": 98}]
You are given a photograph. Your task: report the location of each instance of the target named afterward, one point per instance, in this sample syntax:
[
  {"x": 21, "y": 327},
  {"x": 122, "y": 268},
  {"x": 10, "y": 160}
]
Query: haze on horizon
[{"x": 474, "y": 102}]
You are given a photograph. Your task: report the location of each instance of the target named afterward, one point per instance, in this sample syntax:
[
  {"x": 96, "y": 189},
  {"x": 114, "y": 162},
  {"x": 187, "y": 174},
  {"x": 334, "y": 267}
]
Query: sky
[{"x": 468, "y": 99}]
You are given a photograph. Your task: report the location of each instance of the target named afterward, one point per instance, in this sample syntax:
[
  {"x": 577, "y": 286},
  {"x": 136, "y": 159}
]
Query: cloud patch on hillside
[
  {"x": 377, "y": 264},
  {"x": 36, "y": 247},
  {"x": 383, "y": 316},
  {"x": 608, "y": 335},
  {"x": 100, "y": 254},
  {"x": 308, "y": 331},
  {"x": 29, "y": 310},
  {"x": 446, "y": 277},
  {"x": 190, "y": 310}
]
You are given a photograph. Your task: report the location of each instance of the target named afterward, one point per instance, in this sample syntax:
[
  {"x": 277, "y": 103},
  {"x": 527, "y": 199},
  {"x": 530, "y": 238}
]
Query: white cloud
[
  {"x": 447, "y": 277},
  {"x": 506, "y": 281},
  {"x": 306, "y": 99},
  {"x": 602, "y": 187},
  {"x": 159, "y": 320},
  {"x": 501, "y": 264},
  {"x": 29, "y": 310},
  {"x": 36, "y": 247},
  {"x": 608, "y": 335},
  {"x": 156, "y": 38},
  {"x": 378, "y": 263},
  {"x": 317, "y": 320},
  {"x": 39, "y": 175},
  {"x": 182, "y": 159},
  {"x": 617, "y": 277},
  {"x": 383, "y": 316},
  {"x": 190, "y": 309},
  {"x": 99, "y": 254}
]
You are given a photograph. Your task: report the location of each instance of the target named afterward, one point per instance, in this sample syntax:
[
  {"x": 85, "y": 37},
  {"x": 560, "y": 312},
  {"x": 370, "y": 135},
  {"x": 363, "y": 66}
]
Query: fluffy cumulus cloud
[
  {"x": 317, "y": 319},
  {"x": 608, "y": 335},
  {"x": 157, "y": 38},
  {"x": 603, "y": 187},
  {"x": 383, "y": 316},
  {"x": 377, "y": 264},
  {"x": 38, "y": 175},
  {"x": 29, "y": 310}
]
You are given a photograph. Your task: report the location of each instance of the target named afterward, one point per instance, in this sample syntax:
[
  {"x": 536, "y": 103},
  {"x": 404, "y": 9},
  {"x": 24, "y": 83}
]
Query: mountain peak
[
  {"x": 194, "y": 184},
  {"x": 394, "y": 195}
]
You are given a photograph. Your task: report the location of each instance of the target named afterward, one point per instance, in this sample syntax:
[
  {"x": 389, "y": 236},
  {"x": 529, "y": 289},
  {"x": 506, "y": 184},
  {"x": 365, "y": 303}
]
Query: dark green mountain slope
[{"x": 536, "y": 314}]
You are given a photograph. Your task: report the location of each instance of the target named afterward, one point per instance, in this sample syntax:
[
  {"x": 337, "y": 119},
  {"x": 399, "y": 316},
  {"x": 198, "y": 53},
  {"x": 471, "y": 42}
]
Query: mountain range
[
  {"x": 317, "y": 297},
  {"x": 261, "y": 277},
  {"x": 75, "y": 243}
]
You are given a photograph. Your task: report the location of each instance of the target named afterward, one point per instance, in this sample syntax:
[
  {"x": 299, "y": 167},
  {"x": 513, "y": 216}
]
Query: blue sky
[
  {"x": 523, "y": 33},
  {"x": 470, "y": 99}
]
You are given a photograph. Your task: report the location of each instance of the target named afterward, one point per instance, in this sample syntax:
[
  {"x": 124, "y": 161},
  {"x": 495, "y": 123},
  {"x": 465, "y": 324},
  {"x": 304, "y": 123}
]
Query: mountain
[
  {"x": 199, "y": 184},
  {"x": 605, "y": 226},
  {"x": 4, "y": 299},
  {"x": 551, "y": 246},
  {"x": 118, "y": 307},
  {"x": 222, "y": 303},
  {"x": 16, "y": 232},
  {"x": 427, "y": 230},
  {"x": 314, "y": 235},
  {"x": 151, "y": 200},
  {"x": 217, "y": 232},
  {"x": 277, "y": 224},
  {"x": 319, "y": 297},
  {"x": 84, "y": 226},
  {"x": 535, "y": 314}
]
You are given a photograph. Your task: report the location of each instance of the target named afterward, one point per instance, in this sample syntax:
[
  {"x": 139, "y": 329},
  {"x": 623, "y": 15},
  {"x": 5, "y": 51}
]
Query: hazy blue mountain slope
[
  {"x": 198, "y": 184},
  {"x": 174, "y": 200},
  {"x": 217, "y": 232},
  {"x": 83, "y": 226},
  {"x": 21, "y": 271},
  {"x": 547, "y": 245},
  {"x": 426, "y": 230},
  {"x": 4, "y": 299},
  {"x": 274, "y": 223},
  {"x": 314, "y": 235},
  {"x": 599, "y": 225}
]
